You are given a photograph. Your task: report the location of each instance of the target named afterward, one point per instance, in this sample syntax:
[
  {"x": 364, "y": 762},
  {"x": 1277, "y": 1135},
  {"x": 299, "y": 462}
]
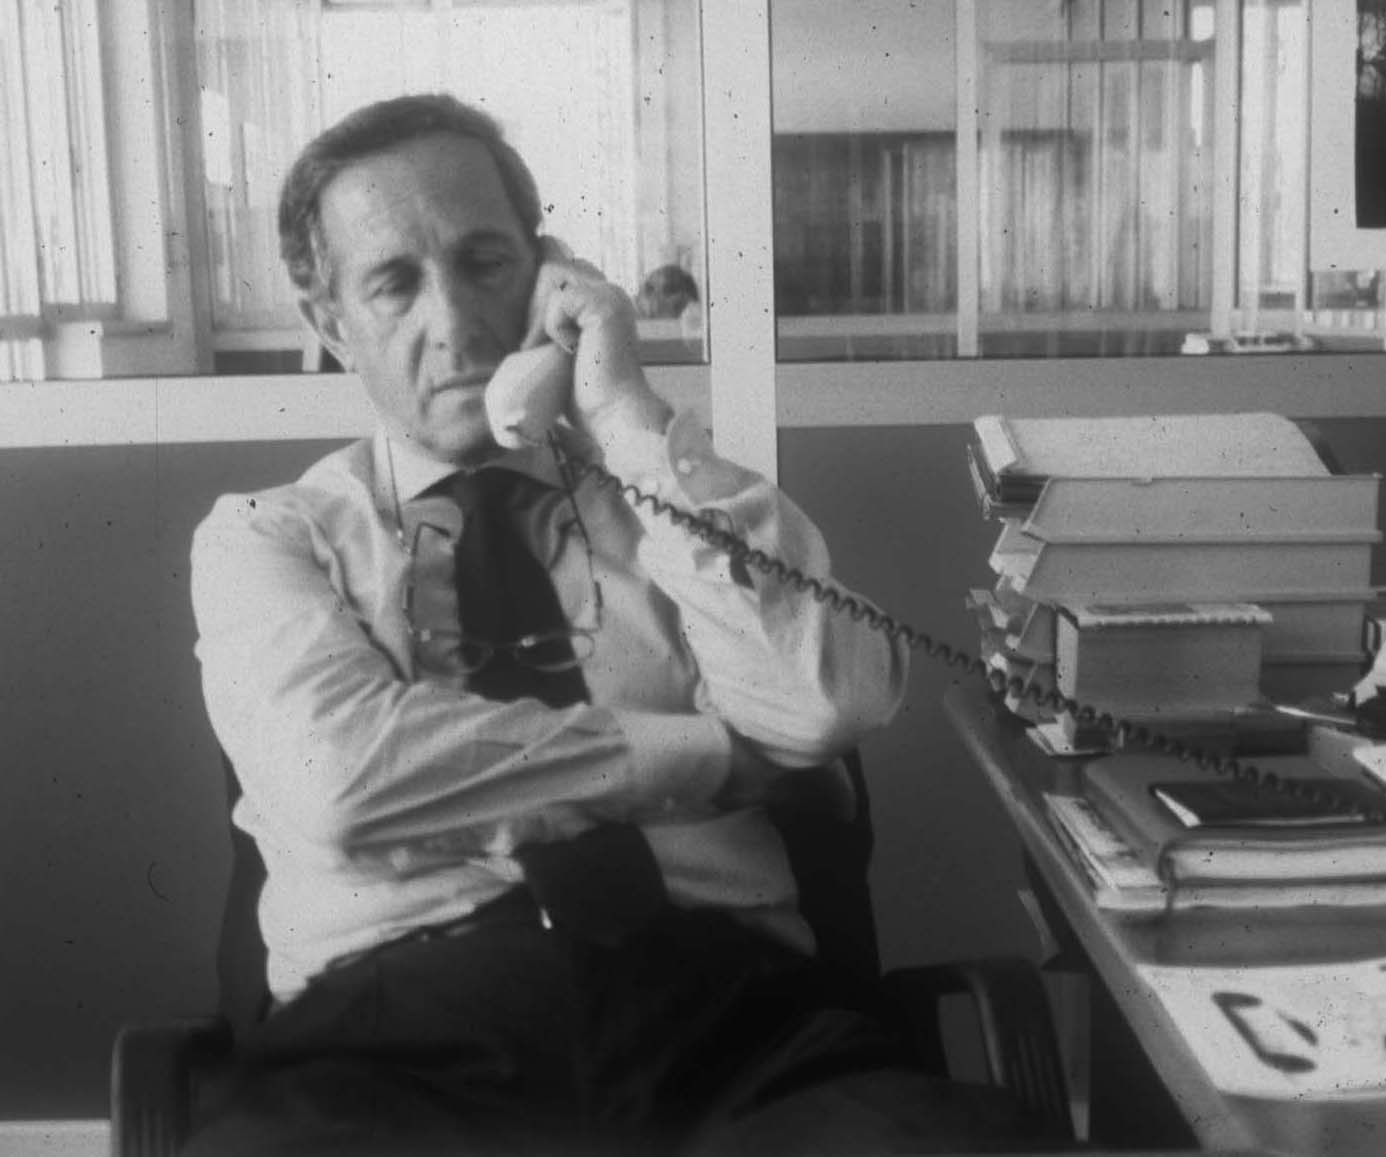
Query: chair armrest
[
  {"x": 1019, "y": 1041},
  {"x": 151, "y": 1082}
]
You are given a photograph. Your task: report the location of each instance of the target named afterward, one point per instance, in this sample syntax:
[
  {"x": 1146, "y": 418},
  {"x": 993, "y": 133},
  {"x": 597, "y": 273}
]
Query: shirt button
[
  {"x": 686, "y": 466},
  {"x": 401, "y": 859}
]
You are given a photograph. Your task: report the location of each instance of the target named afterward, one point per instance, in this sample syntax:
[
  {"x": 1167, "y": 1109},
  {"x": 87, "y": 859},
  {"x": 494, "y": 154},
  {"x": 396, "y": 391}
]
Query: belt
[
  {"x": 601, "y": 886},
  {"x": 516, "y": 906}
]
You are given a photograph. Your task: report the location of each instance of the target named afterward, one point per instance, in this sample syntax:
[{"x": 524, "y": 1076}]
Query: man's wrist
[{"x": 637, "y": 410}]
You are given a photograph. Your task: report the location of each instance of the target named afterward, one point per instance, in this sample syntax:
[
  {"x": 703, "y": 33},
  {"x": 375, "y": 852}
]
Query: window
[
  {"x": 593, "y": 93},
  {"x": 1021, "y": 178},
  {"x": 951, "y": 179},
  {"x": 156, "y": 252},
  {"x": 57, "y": 252}
]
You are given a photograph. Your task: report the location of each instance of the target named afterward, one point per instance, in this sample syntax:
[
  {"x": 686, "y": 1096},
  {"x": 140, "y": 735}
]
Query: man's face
[{"x": 429, "y": 275}]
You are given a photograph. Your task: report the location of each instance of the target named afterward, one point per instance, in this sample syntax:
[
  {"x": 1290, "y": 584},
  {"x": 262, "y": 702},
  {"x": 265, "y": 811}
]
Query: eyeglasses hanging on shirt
[{"x": 488, "y": 635}]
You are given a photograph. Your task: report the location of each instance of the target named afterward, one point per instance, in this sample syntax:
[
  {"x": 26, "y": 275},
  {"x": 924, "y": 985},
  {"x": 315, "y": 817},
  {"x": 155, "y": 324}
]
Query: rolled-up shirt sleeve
[
  {"x": 331, "y": 739},
  {"x": 798, "y": 679}
]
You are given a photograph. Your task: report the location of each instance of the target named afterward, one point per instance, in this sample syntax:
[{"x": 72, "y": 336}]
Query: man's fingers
[
  {"x": 544, "y": 282},
  {"x": 557, "y": 300},
  {"x": 552, "y": 249},
  {"x": 565, "y": 302},
  {"x": 567, "y": 296}
]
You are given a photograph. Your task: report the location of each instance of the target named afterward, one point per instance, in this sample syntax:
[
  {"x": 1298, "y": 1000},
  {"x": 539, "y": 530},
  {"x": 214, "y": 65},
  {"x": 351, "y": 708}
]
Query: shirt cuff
[
  {"x": 679, "y": 466},
  {"x": 677, "y": 761}
]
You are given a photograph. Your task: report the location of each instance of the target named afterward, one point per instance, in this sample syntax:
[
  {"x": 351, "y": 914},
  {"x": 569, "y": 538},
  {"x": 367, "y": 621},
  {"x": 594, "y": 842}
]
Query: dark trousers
[{"x": 693, "y": 1035}]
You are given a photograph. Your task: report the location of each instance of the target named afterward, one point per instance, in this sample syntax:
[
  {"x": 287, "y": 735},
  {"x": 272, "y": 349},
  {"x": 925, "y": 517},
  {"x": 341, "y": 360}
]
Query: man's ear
[{"x": 322, "y": 319}]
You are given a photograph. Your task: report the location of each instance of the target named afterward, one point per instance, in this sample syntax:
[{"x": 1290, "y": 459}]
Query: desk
[{"x": 1126, "y": 1012}]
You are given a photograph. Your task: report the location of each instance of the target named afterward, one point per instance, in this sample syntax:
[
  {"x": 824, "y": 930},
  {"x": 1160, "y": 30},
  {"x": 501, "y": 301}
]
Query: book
[
  {"x": 1206, "y": 507},
  {"x": 1014, "y": 457},
  {"x": 1181, "y": 568},
  {"x": 1181, "y": 659},
  {"x": 1120, "y": 879},
  {"x": 1285, "y": 855},
  {"x": 1248, "y": 733}
]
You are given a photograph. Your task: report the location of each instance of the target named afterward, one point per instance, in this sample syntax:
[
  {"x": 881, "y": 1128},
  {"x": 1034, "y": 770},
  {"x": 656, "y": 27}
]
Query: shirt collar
[{"x": 414, "y": 471}]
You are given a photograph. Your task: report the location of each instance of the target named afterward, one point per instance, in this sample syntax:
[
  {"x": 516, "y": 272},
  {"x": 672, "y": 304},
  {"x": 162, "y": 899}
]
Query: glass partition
[
  {"x": 164, "y": 261},
  {"x": 1056, "y": 178},
  {"x": 593, "y": 94}
]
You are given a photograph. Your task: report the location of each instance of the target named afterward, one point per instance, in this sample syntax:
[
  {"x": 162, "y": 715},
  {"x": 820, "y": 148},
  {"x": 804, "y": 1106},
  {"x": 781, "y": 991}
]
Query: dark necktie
[
  {"x": 505, "y": 596},
  {"x": 604, "y": 883}
]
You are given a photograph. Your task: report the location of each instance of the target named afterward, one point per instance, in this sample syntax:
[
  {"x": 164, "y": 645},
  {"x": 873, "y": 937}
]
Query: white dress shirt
[{"x": 384, "y": 796}]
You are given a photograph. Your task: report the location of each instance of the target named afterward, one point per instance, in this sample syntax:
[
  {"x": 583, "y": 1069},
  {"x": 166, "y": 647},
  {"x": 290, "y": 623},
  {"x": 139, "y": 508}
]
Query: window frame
[{"x": 742, "y": 391}]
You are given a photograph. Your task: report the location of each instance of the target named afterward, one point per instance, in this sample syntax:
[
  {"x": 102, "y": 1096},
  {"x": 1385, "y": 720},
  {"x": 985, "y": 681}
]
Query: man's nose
[{"x": 455, "y": 317}]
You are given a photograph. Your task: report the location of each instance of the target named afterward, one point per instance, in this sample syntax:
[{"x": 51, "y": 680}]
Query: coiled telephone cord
[{"x": 1125, "y": 733}]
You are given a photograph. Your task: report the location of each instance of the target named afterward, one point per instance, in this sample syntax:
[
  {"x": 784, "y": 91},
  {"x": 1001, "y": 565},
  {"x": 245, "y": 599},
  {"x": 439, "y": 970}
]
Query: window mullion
[
  {"x": 969, "y": 61},
  {"x": 740, "y": 224},
  {"x": 1226, "y": 105}
]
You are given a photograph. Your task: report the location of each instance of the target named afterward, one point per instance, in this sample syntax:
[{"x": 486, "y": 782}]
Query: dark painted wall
[{"x": 113, "y": 850}]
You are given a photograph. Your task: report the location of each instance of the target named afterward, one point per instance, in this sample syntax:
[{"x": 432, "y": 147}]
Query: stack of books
[
  {"x": 1151, "y": 833},
  {"x": 1172, "y": 570}
]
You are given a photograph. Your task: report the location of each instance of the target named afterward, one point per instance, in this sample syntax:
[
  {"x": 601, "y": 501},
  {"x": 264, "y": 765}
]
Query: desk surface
[{"x": 1117, "y": 944}]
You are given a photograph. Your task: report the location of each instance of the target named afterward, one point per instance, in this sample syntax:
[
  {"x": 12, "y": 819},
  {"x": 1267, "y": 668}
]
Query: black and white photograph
[{"x": 692, "y": 578}]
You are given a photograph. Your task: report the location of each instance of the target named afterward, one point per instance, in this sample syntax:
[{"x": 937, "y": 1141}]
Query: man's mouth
[{"x": 472, "y": 380}]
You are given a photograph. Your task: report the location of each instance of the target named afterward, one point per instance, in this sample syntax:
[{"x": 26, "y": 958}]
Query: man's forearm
[
  {"x": 328, "y": 738},
  {"x": 785, "y": 670}
]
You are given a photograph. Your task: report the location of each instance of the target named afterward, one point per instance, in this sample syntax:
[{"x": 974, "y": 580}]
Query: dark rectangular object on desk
[{"x": 1224, "y": 803}]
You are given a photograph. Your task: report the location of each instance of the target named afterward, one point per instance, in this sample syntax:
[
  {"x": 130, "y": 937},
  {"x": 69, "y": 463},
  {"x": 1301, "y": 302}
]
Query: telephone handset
[
  {"x": 528, "y": 393},
  {"x": 531, "y": 388}
]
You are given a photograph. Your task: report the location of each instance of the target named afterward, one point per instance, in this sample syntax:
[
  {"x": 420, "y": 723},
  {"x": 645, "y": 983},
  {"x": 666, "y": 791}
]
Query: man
[{"x": 521, "y": 896}]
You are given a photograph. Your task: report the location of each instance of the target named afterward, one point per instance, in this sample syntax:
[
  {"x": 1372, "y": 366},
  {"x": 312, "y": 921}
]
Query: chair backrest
[{"x": 831, "y": 858}]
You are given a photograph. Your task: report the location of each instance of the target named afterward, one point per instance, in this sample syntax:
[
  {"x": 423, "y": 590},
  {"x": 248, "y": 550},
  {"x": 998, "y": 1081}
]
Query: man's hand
[
  {"x": 754, "y": 780},
  {"x": 576, "y": 307}
]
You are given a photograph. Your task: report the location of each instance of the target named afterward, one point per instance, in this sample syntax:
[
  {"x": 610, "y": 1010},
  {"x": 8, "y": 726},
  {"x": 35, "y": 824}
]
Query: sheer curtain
[
  {"x": 258, "y": 72},
  {"x": 558, "y": 75},
  {"x": 57, "y": 254},
  {"x": 1096, "y": 172}
]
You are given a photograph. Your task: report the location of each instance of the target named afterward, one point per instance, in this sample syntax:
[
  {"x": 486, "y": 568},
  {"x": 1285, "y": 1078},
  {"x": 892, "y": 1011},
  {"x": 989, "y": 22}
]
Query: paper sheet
[
  {"x": 1307, "y": 1032},
  {"x": 1373, "y": 758}
]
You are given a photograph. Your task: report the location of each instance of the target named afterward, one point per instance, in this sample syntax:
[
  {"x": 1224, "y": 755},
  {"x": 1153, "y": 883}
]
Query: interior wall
[
  {"x": 113, "y": 850},
  {"x": 898, "y": 510},
  {"x": 113, "y": 847}
]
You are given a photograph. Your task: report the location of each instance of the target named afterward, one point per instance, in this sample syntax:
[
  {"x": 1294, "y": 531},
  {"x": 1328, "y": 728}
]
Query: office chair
[{"x": 160, "y": 1072}]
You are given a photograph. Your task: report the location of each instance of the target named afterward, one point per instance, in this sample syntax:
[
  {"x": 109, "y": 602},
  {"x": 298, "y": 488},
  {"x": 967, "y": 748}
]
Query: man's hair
[
  {"x": 377, "y": 128},
  {"x": 666, "y": 292}
]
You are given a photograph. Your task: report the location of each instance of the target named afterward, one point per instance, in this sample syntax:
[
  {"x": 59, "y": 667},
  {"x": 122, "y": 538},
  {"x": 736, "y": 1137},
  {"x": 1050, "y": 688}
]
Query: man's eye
[
  {"x": 486, "y": 265},
  {"x": 393, "y": 287}
]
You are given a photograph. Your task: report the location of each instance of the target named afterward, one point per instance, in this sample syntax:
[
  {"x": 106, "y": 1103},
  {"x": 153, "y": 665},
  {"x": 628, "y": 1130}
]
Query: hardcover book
[
  {"x": 1188, "y": 659},
  {"x": 1285, "y": 854},
  {"x": 1014, "y": 457},
  {"x": 1121, "y": 878}
]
